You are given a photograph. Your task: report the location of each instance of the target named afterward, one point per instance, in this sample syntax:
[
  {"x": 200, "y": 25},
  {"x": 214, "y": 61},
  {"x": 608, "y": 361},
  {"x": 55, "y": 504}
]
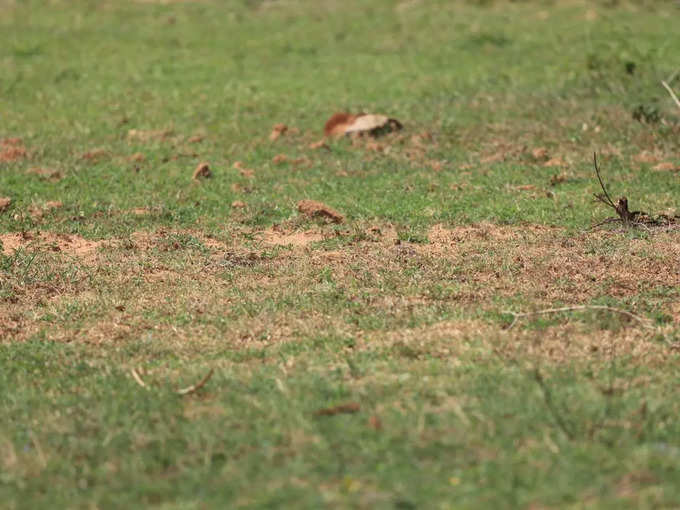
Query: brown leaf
[
  {"x": 312, "y": 208},
  {"x": 202, "y": 171},
  {"x": 5, "y": 202},
  {"x": 351, "y": 407},
  {"x": 279, "y": 130}
]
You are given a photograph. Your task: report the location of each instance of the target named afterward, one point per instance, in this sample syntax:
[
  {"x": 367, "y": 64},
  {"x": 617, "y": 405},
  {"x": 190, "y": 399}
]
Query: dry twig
[
  {"x": 182, "y": 391},
  {"x": 637, "y": 318},
  {"x": 197, "y": 386}
]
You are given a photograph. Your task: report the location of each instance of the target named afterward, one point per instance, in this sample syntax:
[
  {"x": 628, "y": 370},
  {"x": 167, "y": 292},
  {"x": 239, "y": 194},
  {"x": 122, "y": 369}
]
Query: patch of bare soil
[
  {"x": 542, "y": 264},
  {"x": 280, "y": 237},
  {"x": 65, "y": 243}
]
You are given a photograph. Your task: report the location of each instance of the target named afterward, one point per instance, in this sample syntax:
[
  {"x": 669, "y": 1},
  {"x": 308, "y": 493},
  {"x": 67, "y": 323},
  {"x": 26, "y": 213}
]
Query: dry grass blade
[
  {"x": 670, "y": 91},
  {"x": 138, "y": 379},
  {"x": 637, "y": 318},
  {"x": 198, "y": 385}
]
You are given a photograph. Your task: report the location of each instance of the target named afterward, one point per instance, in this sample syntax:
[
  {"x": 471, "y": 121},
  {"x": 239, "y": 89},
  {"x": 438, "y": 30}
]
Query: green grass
[{"x": 455, "y": 410}]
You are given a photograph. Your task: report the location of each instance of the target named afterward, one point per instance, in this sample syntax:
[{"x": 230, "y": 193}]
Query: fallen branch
[
  {"x": 183, "y": 391},
  {"x": 637, "y": 318}
]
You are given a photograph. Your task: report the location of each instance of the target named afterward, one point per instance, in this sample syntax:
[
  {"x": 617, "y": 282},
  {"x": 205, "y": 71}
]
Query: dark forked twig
[
  {"x": 605, "y": 199},
  {"x": 621, "y": 207}
]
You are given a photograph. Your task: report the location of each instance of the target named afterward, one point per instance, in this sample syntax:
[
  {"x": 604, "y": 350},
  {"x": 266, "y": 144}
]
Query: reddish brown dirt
[{"x": 68, "y": 244}]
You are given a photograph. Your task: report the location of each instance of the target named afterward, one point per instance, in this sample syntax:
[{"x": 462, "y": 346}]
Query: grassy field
[{"x": 375, "y": 363}]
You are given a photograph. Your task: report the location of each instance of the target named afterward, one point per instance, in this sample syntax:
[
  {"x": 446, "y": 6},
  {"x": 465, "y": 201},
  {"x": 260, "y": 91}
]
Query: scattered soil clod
[
  {"x": 315, "y": 209},
  {"x": 364, "y": 123},
  {"x": 278, "y": 131},
  {"x": 202, "y": 171}
]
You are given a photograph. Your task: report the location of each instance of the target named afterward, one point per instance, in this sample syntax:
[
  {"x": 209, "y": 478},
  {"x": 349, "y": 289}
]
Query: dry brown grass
[{"x": 152, "y": 283}]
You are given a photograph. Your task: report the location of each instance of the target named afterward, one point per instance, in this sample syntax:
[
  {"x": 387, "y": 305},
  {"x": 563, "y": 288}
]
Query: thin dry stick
[
  {"x": 138, "y": 378},
  {"x": 639, "y": 319},
  {"x": 670, "y": 91},
  {"x": 608, "y": 200},
  {"x": 183, "y": 391},
  {"x": 197, "y": 386}
]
